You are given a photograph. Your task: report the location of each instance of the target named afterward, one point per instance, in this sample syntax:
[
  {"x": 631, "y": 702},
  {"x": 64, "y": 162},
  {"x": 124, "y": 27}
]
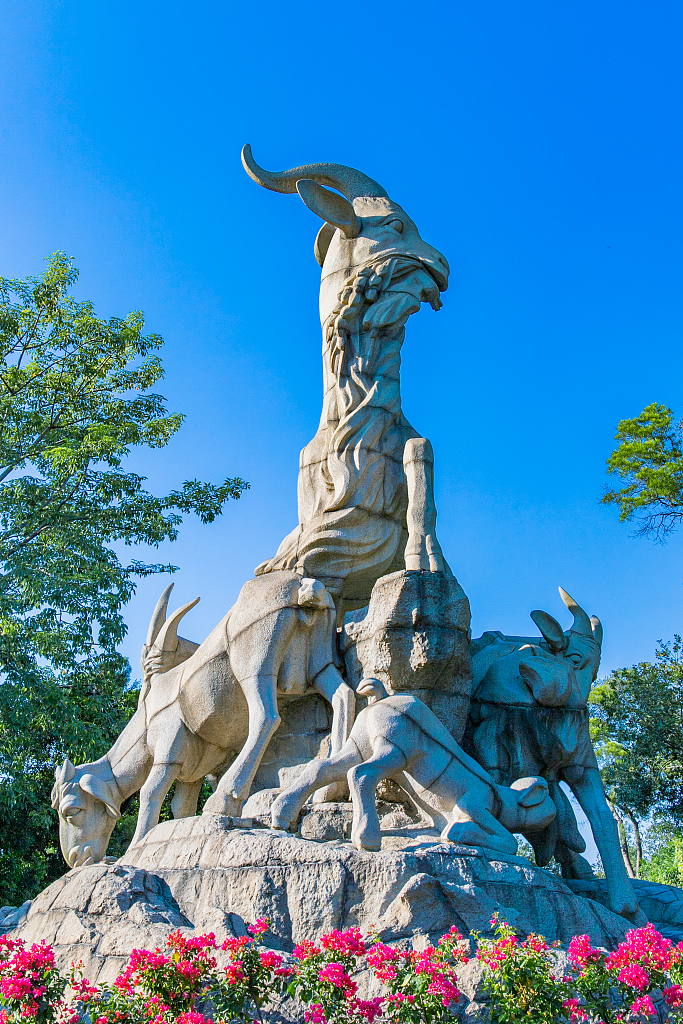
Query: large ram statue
[
  {"x": 207, "y": 709},
  {"x": 365, "y": 480}
]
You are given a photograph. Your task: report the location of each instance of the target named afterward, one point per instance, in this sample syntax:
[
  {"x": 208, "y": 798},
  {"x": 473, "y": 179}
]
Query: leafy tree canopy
[
  {"x": 649, "y": 458},
  {"x": 75, "y": 399},
  {"x": 637, "y": 731}
]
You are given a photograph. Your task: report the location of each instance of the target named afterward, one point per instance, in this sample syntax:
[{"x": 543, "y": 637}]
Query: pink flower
[
  {"x": 673, "y": 996},
  {"x": 581, "y": 952},
  {"x": 645, "y": 946},
  {"x": 643, "y": 1004},
  {"x": 305, "y": 949},
  {"x": 234, "y": 972},
  {"x": 335, "y": 975},
  {"x": 347, "y": 943},
  {"x": 634, "y": 976},
  {"x": 234, "y": 946},
  {"x": 369, "y": 1009},
  {"x": 259, "y": 927},
  {"x": 270, "y": 960},
  {"x": 315, "y": 1015},
  {"x": 574, "y": 1010},
  {"x": 192, "y": 1017}
]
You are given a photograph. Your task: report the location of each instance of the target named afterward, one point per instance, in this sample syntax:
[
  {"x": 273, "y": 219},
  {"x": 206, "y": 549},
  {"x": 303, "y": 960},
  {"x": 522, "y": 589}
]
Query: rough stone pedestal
[
  {"x": 202, "y": 875},
  {"x": 414, "y": 637}
]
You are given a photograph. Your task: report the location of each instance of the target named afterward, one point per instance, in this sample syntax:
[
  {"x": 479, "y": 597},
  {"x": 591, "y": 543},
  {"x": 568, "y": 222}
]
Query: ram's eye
[
  {"x": 74, "y": 814},
  {"x": 397, "y": 225}
]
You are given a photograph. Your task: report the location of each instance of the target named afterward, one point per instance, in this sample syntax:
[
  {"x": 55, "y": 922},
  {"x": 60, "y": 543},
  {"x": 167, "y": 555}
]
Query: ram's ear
[
  {"x": 551, "y": 629},
  {"x": 329, "y": 206},
  {"x": 322, "y": 242},
  {"x": 101, "y": 791},
  {"x": 533, "y": 791}
]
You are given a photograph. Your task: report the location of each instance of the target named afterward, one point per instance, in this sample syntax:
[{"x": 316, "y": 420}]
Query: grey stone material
[
  {"x": 366, "y": 504},
  {"x": 199, "y": 874},
  {"x": 358, "y": 598},
  {"x": 400, "y": 738},
  {"x": 209, "y": 712},
  {"x": 414, "y": 637},
  {"x": 529, "y": 716}
]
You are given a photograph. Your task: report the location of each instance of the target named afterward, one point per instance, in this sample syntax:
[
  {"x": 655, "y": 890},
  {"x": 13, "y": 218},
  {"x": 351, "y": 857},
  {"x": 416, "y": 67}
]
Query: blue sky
[{"x": 536, "y": 144}]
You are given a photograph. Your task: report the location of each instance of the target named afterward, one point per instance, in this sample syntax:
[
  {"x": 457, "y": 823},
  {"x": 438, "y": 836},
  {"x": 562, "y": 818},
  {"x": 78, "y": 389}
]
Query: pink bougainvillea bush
[
  {"x": 194, "y": 980},
  {"x": 524, "y": 982}
]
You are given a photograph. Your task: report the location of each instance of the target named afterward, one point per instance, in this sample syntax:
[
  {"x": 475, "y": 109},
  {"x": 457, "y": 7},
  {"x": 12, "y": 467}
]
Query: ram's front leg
[
  {"x": 589, "y": 791},
  {"x": 152, "y": 794},
  {"x": 264, "y": 719},
  {"x": 423, "y": 550},
  {"x": 364, "y": 778}
]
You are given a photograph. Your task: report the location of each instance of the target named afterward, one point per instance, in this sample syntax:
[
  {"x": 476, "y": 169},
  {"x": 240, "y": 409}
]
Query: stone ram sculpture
[
  {"x": 399, "y": 737},
  {"x": 205, "y": 707},
  {"x": 529, "y": 716},
  {"x": 366, "y": 461}
]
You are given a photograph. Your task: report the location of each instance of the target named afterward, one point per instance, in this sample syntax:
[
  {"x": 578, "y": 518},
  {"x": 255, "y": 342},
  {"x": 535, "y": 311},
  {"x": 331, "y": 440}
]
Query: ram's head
[
  {"x": 367, "y": 247},
  {"x": 88, "y": 808}
]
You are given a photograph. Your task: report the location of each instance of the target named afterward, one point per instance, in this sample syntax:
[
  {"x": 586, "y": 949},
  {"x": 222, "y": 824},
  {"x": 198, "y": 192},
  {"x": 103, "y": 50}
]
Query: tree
[
  {"x": 75, "y": 399},
  {"x": 637, "y": 730},
  {"x": 649, "y": 458},
  {"x": 664, "y": 863}
]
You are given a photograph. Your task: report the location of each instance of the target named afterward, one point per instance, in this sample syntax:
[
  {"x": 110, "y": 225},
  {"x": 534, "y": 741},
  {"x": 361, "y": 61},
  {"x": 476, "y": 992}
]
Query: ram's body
[
  {"x": 529, "y": 716},
  {"x": 211, "y": 710},
  {"x": 359, "y": 473},
  {"x": 401, "y": 738}
]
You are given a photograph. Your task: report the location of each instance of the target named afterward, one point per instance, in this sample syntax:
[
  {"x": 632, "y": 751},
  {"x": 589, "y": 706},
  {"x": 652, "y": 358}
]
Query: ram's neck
[{"x": 128, "y": 759}]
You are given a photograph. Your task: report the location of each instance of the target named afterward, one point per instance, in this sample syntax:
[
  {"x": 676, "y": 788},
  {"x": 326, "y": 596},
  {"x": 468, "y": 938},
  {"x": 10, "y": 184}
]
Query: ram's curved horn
[
  {"x": 597, "y": 629},
  {"x": 159, "y": 617},
  {"x": 167, "y": 640},
  {"x": 347, "y": 180},
  {"x": 581, "y": 623}
]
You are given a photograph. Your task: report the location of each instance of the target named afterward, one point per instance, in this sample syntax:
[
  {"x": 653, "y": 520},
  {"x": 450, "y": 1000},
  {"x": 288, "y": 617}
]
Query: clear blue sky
[{"x": 536, "y": 144}]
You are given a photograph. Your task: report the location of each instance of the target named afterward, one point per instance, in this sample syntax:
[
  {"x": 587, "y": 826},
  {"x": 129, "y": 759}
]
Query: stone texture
[
  {"x": 400, "y": 738},
  {"x": 353, "y": 488},
  {"x": 200, "y": 875},
  {"x": 193, "y": 717},
  {"x": 414, "y": 637},
  {"x": 661, "y": 904},
  {"x": 529, "y": 716}
]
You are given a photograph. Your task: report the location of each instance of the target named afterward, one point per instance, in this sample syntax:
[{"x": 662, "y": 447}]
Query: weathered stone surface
[
  {"x": 414, "y": 636},
  {"x": 399, "y": 737},
  {"x": 529, "y": 716},
  {"x": 193, "y": 717},
  {"x": 199, "y": 874},
  {"x": 362, "y": 510},
  {"x": 661, "y": 904}
]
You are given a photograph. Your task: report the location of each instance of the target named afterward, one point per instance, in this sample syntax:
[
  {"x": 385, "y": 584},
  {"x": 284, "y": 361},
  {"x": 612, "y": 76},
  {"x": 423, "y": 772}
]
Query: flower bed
[{"x": 186, "y": 983}]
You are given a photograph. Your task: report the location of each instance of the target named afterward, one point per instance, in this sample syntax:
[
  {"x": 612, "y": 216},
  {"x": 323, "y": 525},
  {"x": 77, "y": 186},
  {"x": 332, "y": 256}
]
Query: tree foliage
[
  {"x": 75, "y": 399},
  {"x": 637, "y": 730},
  {"x": 649, "y": 458}
]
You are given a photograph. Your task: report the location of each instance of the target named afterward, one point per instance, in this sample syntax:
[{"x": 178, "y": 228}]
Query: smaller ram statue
[
  {"x": 399, "y": 737},
  {"x": 529, "y": 716},
  {"x": 207, "y": 709}
]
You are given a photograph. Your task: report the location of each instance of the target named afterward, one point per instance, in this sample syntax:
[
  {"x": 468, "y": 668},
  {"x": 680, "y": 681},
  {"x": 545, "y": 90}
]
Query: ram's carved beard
[
  {"x": 380, "y": 297},
  {"x": 80, "y": 857},
  {"x": 410, "y": 285}
]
